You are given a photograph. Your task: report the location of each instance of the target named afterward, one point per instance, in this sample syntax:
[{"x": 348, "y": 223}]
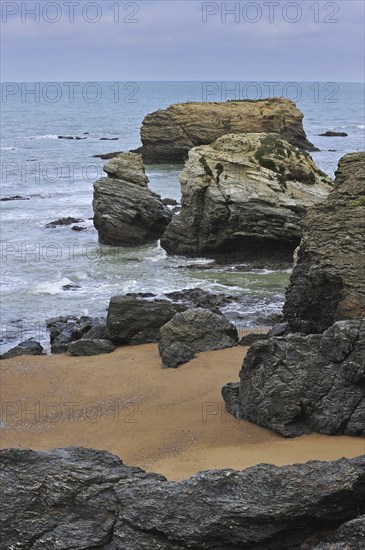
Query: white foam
[
  {"x": 361, "y": 126},
  {"x": 54, "y": 287},
  {"x": 9, "y": 149},
  {"x": 46, "y": 136}
]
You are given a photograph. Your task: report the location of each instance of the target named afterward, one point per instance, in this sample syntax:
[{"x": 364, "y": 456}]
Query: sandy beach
[{"x": 170, "y": 421}]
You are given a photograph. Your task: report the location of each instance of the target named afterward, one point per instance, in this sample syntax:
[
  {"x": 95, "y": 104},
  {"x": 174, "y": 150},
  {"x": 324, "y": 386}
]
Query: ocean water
[{"x": 57, "y": 176}]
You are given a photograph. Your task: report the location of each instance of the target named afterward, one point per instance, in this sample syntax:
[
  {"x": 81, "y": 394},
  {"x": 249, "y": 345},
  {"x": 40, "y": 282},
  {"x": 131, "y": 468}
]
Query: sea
[{"x": 48, "y": 272}]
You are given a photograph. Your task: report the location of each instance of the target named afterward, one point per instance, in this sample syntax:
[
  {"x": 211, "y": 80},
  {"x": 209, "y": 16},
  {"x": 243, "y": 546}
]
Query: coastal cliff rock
[
  {"x": 314, "y": 380},
  {"x": 133, "y": 320},
  {"x": 126, "y": 212},
  {"x": 168, "y": 134},
  {"x": 193, "y": 331},
  {"x": 244, "y": 195},
  {"x": 83, "y": 498},
  {"x": 299, "y": 384},
  {"x": 328, "y": 280}
]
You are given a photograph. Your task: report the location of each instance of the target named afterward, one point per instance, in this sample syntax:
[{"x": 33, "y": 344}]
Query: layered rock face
[
  {"x": 314, "y": 380},
  {"x": 82, "y": 498},
  {"x": 194, "y": 331},
  {"x": 328, "y": 280},
  {"x": 168, "y": 134},
  {"x": 126, "y": 212},
  {"x": 244, "y": 195}
]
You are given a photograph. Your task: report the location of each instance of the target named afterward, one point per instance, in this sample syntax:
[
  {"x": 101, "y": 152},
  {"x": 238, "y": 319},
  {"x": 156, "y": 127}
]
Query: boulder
[
  {"x": 128, "y": 214},
  {"x": 87, "y": 346},
  {"x": 28, "y": 347},
  {"x": 245, "y": 195},
  {"x": 83, "y": 498},
  {"x": 251, "y": 338},
  {"x": 299, "y": 384},
  {"x": 168, "y": 134},
  {"x": 193, "y": 331},
  {"x": 127, "y": 167},
  {"x": 349, "y": 536},
  {"x": 133, "y": 320},
  {"x": 64, "y": 330},
  {"x": 328, "y": 283}
]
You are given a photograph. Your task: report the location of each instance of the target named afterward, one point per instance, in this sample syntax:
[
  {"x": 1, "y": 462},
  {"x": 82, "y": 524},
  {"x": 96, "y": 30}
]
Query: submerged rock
[
  {"x": 193, "y": 331},
  {"x": 330, "y": 133},
  {"x": 134, "y": 320},
  {"x": 83, "y": 498},
  {"x": 168, "y": 134},
  {"x": 64, "y": 221},
  {"x": 244, "y": 195},
  {"x": 28, "y": 347},
  {"x": 328, "y": 282}
]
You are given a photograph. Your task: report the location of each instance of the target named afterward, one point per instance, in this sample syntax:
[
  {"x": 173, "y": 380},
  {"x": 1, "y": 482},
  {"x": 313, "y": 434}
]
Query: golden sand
[{"x": 170, "y": 421}]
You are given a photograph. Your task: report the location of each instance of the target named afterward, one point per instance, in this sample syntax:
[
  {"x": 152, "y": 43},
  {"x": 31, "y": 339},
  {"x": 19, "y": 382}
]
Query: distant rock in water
[
  {"x": 313, "y": 380},
  {"x": 71, "y": 137},
  {"x": 168, "y": 134},
  {"x": 193, "y": 331},
  {"x": 64, "y": 221},
  {"x": 89, "y": 499},
  {"x": 328, "y": 281},
  {"x": 109, "y": 139},
  {"x": 108, "y": 156},
  {"x": 244, "y": 196},
  {"x": 126, "y": 212},
  {"x": 169, "y": 202},
  {"x": 14, "y": 198},
  {"x": 329, "y": 133},
  {"x": 28, "y": 347},
  {"x": 78, "y": 228}
]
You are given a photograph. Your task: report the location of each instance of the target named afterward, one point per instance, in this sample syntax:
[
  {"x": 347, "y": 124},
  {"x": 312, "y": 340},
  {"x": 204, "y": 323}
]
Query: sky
[{"x": 114, "y": 40}]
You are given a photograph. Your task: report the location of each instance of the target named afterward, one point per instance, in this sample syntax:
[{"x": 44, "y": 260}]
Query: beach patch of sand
[{"x": 170, "y": 421}]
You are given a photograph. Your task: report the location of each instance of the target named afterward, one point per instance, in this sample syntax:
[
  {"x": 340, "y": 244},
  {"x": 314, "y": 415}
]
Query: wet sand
[{"x": 170, "y": 421}]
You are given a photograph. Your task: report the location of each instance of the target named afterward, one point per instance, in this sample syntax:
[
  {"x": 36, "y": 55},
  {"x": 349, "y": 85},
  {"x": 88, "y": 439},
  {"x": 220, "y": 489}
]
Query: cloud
[{"x": 172, "y": 41}]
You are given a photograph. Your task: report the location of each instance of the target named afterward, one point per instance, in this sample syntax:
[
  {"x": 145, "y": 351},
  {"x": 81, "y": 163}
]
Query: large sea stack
[
  {"x": 168, "y": 134},
  {"x": 245, "y": 195}
]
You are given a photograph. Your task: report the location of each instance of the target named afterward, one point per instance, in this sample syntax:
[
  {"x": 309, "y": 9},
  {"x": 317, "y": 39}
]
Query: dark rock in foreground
[
  {"x": 298, "y": 384},
  {"x": 82, "y": 498},
  {"x": 28, "y": 347},
  {"x": 87, "y": 346},
  {"x": 64, "y": 330},
  {"x": 136, "y": 321},
  {"x": 193, "y": 331},
  {"x": 328, "y": 280}
]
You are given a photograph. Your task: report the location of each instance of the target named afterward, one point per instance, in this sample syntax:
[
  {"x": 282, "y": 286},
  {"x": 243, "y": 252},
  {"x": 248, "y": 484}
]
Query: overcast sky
[{"x": 183, "y": 40}]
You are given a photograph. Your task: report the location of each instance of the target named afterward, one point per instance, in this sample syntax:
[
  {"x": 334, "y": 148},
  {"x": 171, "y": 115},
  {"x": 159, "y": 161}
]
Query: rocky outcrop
[
  {"x": 300, "y": 384},
  {"x": 88, "y": 346},
  {"x": 244, "y": 195},
  {"x": 314, "y": 379},
  {"x": 133, "y": 320},
  {"x": 80, "y": 498},
  {"x": 168, "y": 134},
  {"x": 28, "y": 347},
  {"x": 127, "y": 167},
  {"x": 194, "y": 331},
  {"x": 126, "y": 212},
  {"x": 64, "y": 330},
  {"x": 328, "y": 282}
]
